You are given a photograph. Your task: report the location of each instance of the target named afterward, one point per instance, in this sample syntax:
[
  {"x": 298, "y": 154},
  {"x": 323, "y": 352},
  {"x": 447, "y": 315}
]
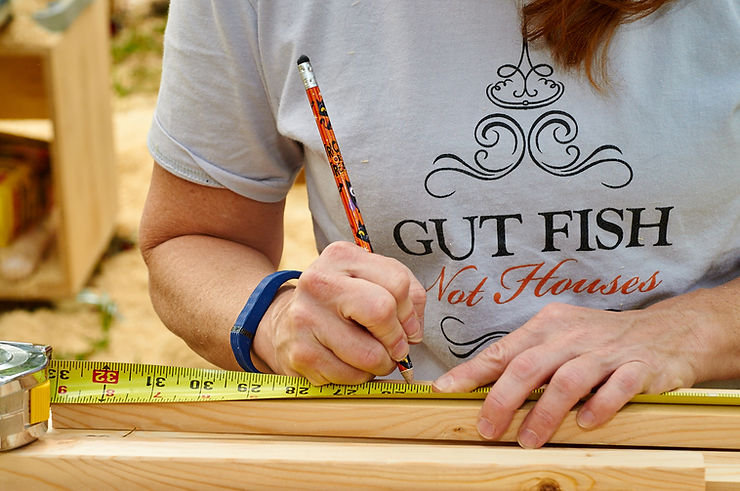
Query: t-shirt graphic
[{"x": 549, "y": 142}]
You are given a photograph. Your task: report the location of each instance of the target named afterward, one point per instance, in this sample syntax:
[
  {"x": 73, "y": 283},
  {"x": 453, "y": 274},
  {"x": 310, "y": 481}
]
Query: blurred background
[{"x": 78, "y": 86}]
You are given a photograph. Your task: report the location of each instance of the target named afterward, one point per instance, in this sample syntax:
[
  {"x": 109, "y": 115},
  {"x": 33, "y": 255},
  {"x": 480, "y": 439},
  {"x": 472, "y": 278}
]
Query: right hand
[{"x": 350, "y": 317}]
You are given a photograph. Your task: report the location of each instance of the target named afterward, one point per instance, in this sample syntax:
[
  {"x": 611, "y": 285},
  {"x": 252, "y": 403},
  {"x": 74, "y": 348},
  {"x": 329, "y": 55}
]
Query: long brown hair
[{"x": 578, "y": 32}]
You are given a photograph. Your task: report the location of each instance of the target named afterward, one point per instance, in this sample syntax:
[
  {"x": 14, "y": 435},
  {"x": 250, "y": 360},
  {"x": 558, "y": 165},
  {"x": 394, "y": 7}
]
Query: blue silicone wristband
[{"x": 245, "y": 327}]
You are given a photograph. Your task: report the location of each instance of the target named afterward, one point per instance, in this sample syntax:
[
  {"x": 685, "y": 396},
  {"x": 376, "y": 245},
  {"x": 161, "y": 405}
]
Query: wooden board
[
  {"x": 22, "y": 91},
  {"x": 722, "y": 470},
  {"x": 654, "y": 425},
  {"x": 75, "y": 459},
  {"x": 83, "y": 159}
]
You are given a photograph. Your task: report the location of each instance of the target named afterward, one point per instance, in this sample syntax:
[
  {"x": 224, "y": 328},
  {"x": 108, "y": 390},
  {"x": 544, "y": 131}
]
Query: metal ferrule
[
  {"x": 309, "y": 81},
  {"x": 24, "y": 396}
]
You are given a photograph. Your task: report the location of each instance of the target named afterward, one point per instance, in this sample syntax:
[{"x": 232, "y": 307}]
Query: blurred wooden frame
[{"x": 63, "y": 78}]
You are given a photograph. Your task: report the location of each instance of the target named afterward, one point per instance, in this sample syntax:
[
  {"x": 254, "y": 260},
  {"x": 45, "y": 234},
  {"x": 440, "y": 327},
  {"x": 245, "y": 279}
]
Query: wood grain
[
  {"x": 654, "y": 425},
  {"x": 77, "y": 459}
]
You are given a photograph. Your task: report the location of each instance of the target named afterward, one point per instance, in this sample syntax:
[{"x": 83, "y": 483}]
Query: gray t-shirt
[{"x": 504, "y": 181}]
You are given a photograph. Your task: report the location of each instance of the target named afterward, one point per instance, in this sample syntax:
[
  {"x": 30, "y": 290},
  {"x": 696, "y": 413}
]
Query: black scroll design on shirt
[
  {"x": 489, "y": 133},
  {"x": 550, "y": 141},
  {"x": 562, "y": 129},
  {"x": 555, "y": 130},
  {"x": 524, "y": 85},
  {"x": 463, "y": 349}
]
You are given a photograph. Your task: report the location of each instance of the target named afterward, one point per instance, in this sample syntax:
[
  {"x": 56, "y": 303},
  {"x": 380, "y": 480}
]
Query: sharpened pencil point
[
  {"x": 408, "y": 375},
  {"x": 302, "y": 59}
]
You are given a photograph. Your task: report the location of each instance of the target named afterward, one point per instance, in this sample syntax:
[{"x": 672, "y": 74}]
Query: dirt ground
[{"x": 75, "y": 328}]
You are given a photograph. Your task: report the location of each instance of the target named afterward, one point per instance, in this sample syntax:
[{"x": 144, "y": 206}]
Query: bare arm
[
  {"x": 348, "y": 318},
  {"x": 206, "y": 249}
]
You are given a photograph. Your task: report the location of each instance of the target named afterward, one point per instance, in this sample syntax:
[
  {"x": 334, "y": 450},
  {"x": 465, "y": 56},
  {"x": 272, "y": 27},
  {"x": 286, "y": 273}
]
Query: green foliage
[
  {"x": 108, "y": 311},
  {"x": 136, "y": 52},
  {"x": 135, "y": 41}
]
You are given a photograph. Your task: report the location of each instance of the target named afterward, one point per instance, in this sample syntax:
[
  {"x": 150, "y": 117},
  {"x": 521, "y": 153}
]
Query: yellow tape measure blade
[
  {"x": 101, "y": 382},
  {"x": 715, "y": 397}
]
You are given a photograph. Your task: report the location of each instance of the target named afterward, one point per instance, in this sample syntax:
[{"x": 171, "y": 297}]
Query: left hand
[{"x": 573, "y": 350}]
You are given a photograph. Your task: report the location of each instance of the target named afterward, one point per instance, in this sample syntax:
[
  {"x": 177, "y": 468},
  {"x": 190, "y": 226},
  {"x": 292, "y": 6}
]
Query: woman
[{"x": 575, "y": 186}]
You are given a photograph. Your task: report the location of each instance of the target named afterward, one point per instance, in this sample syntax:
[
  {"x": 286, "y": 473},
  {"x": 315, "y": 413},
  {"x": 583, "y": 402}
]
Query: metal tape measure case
[{"x": 24, "y": 393}]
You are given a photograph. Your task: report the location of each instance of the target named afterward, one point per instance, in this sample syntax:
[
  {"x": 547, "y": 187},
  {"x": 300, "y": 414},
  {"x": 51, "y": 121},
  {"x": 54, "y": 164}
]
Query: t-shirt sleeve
[{"x": 214, "y": 123}]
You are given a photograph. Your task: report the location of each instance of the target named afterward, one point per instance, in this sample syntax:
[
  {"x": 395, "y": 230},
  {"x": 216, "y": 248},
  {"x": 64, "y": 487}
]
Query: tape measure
[
  {"x": 24, "y": 393},
  {"x": 30, "y": 380},
  {"x": 102, "y": 382}
]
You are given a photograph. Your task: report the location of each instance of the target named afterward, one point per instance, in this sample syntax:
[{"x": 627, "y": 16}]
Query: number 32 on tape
[{"x": 113, "y": 382}]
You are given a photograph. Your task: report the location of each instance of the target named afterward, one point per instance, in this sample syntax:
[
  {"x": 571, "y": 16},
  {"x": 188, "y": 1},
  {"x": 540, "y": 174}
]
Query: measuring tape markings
[
  {"x": 101, "y": 382},
  {"x": 119, "y": 382}
]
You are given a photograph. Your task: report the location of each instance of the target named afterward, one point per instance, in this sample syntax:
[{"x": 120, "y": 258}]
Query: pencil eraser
[{"x": 302, "y": 59}]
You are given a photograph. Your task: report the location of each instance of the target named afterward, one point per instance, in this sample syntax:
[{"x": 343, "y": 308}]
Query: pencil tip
[
  {"x": 302, "y": 59},
  {"x": 408, "y": 375}
]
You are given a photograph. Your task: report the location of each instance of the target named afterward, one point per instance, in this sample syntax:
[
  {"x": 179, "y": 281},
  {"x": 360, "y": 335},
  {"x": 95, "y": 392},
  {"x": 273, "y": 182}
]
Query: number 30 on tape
[{"x": 115, "y": 382}]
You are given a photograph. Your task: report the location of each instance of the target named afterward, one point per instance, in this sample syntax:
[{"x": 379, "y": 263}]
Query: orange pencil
[{"x": 344, "y": 186}]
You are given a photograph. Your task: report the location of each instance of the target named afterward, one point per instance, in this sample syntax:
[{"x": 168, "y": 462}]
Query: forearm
[
  {"x": 714, "y": 317},
  {"x": 199, "y": 284}
]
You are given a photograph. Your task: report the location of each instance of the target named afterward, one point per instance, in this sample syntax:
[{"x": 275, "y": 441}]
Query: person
[{"x": 560, "y": 206}]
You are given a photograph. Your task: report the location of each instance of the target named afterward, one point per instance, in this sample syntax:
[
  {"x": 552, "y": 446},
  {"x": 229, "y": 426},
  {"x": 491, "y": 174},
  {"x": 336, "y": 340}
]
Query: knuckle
[
  {"x": 300, "y": 315},
  {"x": 569, "y": 381},
  {"x": 628, "y": 382},
  {"x": 524, "y": 367},
  {"x": 302, "y": 358},
  {"x": 417, "y": 294},
  {"x": 496, "y": 354},
  {"x": 317, "y": 282},
  {"x": 372, "y": 358},
  {"x": 555, "y": 311},
  {"x": 381, "y": 309},
  {"x": 399, "y": 283},
  {"x": 339, "y": 251}
]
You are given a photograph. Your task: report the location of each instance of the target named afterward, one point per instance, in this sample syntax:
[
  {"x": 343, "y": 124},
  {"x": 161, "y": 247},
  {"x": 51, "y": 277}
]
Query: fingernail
[
  {"x": 528, "y": 439},
  {"x": 485, "y": 428},
  {"x": 414, "y": 326},
  {"x": 443, "y": 383},
  {"x": 585, "y": 419},
  {"x": 400, "y": 350}
]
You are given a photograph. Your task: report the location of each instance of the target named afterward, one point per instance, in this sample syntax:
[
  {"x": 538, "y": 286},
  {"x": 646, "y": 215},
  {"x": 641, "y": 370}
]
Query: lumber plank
[
  {"x": 654, "y": 425},
  {"x": 722, "y": 471},
  {"x": 74, "y": 459}
]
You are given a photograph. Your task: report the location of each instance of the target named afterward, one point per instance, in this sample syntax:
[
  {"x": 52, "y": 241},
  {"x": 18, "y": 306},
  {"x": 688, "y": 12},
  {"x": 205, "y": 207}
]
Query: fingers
[
  {"x": 418, "y": 296},
  {"x": 488, "y": 365},
  {"x": 385, "y": 272},
  {"x": 573, "y": 350},
  {"x": 627, "y": 381},
  {"x": 374, "y": 308},
  {"x": 375, "y": 291},
  {"x": 319, "y": 365},
  {"x": 524, "y": 373},
  {"x": 351, "y": 315},
  {"x": 355, "y": 347},
  {"x": 571, "y": 382}
]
